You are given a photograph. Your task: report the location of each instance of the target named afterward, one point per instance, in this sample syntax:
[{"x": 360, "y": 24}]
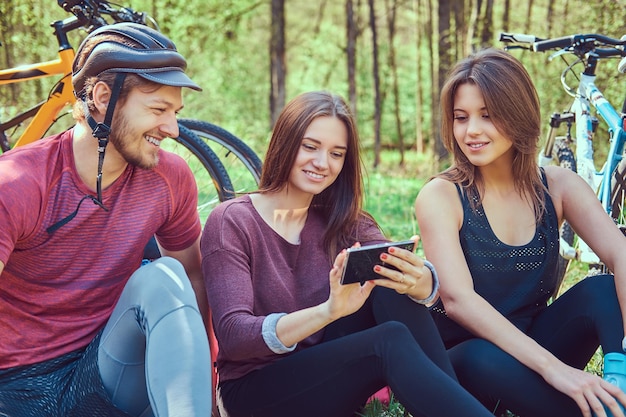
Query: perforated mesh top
[{"x": 516, "y": 280}]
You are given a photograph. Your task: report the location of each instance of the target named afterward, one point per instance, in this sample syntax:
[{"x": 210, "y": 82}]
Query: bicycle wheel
[
  {"x": 566, "y": 159},
  {"x": 618, "y": 194},
  {"x": 214, "y": 184},
  {"x": 241, "y": 162},
  {"x": 211, "y": 177}
]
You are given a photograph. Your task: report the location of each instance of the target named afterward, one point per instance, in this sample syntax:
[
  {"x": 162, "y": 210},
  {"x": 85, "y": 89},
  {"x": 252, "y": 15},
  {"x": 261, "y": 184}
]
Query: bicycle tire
[
  {"x": 241, "y": 162},
  {"x": 618, "y": 194},
  {"x": 566, "y": 159},
  {"x": 214, "y": 184}
]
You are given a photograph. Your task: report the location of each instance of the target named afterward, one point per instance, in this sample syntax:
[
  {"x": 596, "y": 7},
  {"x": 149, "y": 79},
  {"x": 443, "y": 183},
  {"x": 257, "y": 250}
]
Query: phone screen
[{"x": 359, "y": 266}]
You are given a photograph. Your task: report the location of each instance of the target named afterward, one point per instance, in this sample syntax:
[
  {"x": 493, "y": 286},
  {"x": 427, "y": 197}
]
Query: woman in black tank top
[{"x": 490, "y": 225}]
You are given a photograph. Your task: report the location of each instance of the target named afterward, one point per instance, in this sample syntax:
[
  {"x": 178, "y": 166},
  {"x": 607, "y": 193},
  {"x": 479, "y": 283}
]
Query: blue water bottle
[{"x": 615, "y": 373}]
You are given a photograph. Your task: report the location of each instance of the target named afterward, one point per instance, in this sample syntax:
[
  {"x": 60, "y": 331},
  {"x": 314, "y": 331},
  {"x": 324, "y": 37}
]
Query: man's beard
[{"x": 120, "y": 135}]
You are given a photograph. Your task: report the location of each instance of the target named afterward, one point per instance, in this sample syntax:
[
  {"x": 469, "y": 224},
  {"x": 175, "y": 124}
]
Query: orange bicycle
[
  {"x": 199, "y": 142},
  {"x": 208, "y": 149}
]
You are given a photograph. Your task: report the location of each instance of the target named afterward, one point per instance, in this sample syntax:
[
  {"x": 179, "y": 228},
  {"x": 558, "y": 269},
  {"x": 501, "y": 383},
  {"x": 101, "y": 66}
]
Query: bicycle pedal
[
  {"x": 586, "y": 254},
  {"x": 566, "y": 250},
  {"x": 596, "y": 269},
  {"x": 588, "y": 258}
]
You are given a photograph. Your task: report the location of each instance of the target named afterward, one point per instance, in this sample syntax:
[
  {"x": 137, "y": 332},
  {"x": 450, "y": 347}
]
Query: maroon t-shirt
[
  {"x": 57, "y": 290},
  {"x": 250, "y": 271}
]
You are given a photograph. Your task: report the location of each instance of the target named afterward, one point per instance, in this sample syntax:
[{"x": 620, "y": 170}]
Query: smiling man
[{"x": 84, "y": 328}]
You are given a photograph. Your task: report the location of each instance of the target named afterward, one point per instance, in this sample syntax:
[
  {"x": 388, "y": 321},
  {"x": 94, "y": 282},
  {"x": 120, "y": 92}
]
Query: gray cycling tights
[{"x": 154, "y": 353}]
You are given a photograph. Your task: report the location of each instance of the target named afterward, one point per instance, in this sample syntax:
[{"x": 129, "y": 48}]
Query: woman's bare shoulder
[{"x": 437, "y": 188}]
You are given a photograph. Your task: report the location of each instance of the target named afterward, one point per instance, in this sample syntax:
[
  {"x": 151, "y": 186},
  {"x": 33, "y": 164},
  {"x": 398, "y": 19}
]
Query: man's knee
[{"x": 162, "y": 282}]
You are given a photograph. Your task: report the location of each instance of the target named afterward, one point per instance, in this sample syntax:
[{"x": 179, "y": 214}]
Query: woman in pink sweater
[{"x": 294, "y": 341}]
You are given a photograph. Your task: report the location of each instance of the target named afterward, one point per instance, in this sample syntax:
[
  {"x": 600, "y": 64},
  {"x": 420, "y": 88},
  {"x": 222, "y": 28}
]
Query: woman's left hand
[{"x": 411, "y": 278}]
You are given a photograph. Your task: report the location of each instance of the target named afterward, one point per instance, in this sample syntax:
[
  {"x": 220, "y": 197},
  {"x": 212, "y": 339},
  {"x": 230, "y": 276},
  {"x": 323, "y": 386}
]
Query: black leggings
[
  {"x": 390, "y": 341},
  {"x": 583, "y": 318}
]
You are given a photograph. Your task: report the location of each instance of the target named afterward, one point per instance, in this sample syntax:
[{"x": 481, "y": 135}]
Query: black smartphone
[{"x": 360, "y": 262}]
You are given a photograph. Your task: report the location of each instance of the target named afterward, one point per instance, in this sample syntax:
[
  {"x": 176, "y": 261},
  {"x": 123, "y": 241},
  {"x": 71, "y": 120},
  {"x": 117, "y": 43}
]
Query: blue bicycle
[{"x": 610, "y": 181}]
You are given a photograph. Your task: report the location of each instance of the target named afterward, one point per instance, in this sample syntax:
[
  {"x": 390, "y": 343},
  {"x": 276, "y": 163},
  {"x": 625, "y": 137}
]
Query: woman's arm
[
  {"x": 577, "y": 203},
  {"x": 343, "y": 300},
  {"x": 259, "y": 306}
]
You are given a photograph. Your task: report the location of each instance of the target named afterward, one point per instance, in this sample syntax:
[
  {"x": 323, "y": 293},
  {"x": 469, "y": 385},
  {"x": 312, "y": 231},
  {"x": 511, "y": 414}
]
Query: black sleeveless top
[{"x": 516, "y": 280}]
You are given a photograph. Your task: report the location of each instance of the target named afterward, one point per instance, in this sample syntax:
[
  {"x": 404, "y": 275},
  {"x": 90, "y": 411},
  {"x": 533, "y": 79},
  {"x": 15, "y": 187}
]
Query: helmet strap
[{"x": 101, "y": 131}]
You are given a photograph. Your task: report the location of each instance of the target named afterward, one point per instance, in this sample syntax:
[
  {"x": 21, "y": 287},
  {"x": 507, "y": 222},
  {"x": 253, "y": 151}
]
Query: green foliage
[
  {"x": 226, "y": 43},
  {"x": 21, "y": 27},
  {"x": 390, "y": 192}
]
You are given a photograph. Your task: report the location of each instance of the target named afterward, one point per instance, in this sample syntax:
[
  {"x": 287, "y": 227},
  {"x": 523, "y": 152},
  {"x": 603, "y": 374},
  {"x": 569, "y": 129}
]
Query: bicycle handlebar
[
  {"x": 556, "y": 43},
  {"x": 90, "y": 13},
  {"x": 518, "y": 38},
  {"x": 622, "y": 66},
  {"x": 580, "y": 44}
]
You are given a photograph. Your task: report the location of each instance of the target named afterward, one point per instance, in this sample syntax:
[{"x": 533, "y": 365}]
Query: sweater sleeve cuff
[
  {"x": 434, "y": 293},
  {"x": 269, "y": 334}
]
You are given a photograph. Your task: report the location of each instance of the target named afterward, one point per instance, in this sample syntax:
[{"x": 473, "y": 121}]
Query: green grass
[
  {"x": 390, "y": 191},
  {"x": 390, "y": 201}
]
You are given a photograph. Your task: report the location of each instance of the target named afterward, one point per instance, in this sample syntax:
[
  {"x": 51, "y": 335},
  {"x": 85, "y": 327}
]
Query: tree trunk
[
  {"x": 460, "y": 40},
  {"x": 419, "y": 99},
  {"x": 278, "y": 69},
  {"x": 430, "y": 34},
  {"x": 486, "y": 35},
  {"x": 391, "y": 23},
  {"x": 473, "y": 27},
  {"x": 377, "y": 98},
  {"x": 550, "y": 17},
  {"x": 351, "y": 36},
  {"x": 445, "y": 62},
  {"x": 529, "y": 15},
  {"x": 506, "y": 13}
]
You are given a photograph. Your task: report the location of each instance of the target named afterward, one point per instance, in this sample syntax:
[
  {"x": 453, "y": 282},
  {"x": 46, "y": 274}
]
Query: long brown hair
[
  {"x": 342, "y": 202},
  {"x": 513, "y": 105}
]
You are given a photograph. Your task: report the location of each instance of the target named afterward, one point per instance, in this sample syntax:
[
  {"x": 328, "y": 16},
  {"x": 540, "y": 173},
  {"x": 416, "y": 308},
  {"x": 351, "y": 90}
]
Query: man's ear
[{"x": 101, "y": 94}]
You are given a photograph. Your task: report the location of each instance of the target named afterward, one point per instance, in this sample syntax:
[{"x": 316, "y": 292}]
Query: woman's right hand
[
  {"x": 589, "y": 391},
  {"x": 345, "y": 299}
]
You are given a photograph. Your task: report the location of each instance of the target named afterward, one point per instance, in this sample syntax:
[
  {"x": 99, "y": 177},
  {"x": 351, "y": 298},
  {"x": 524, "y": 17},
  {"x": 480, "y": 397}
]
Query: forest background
[{"x": 387, "y": 57}]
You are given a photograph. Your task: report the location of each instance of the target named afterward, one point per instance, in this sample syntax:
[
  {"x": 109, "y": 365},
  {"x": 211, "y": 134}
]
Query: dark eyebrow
[
  {"x": 320, "y": 142},
  {"x": 166, "y": 103},
  {"x": 463, "y": 110}
]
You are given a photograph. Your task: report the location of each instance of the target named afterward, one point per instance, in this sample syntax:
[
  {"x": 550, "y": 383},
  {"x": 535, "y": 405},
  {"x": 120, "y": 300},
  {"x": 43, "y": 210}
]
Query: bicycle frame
[
  {"x": 589, "y": 95},
  {"x": 590, "y": 49},
  {"x": 62, "y": 95}
]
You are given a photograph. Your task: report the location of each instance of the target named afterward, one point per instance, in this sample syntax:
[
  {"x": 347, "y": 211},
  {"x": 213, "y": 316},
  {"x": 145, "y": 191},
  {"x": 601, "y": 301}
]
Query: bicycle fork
[
  {"x": 560, "y": 147},
  {"x": 4, "y": 142}
]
